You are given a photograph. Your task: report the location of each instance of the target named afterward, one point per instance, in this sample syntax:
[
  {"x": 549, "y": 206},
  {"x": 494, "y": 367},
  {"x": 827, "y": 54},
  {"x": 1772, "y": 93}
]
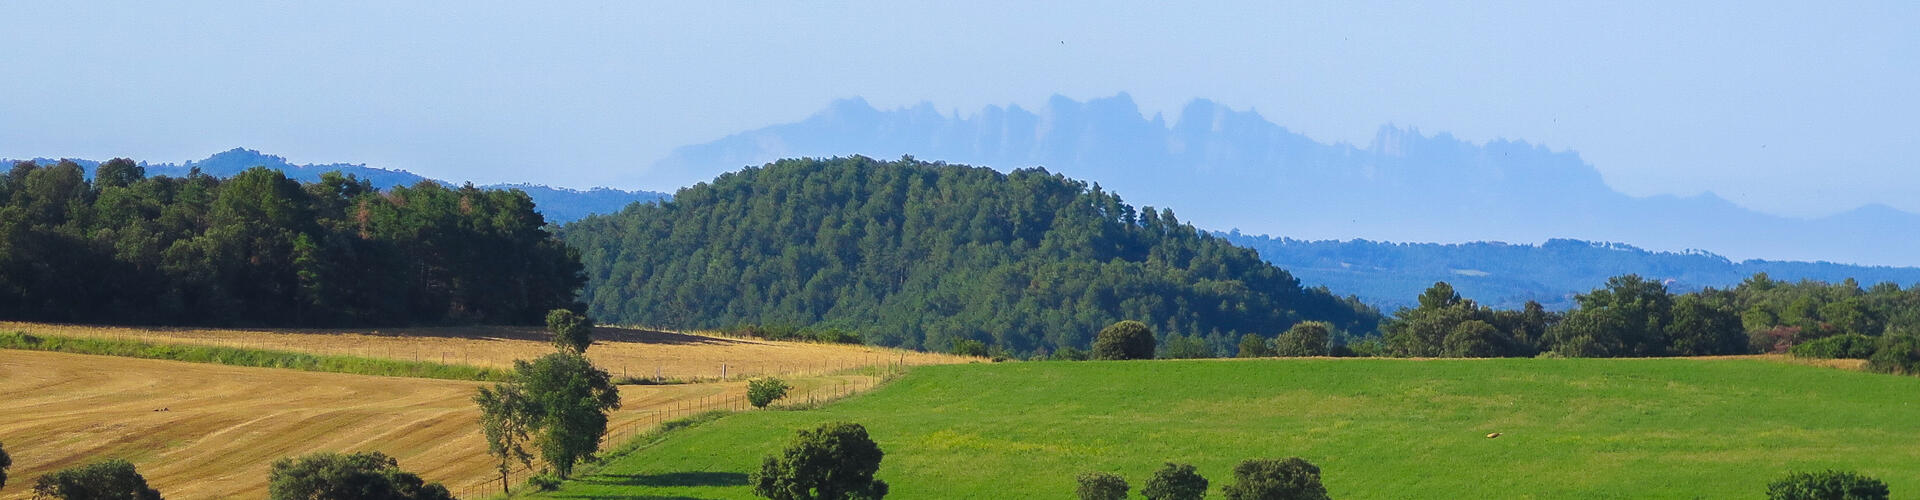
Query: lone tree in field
[
  {"x": 1827, "y": 485},
  {"x": 835, "y": 461},
  {"x": 571, "y": 330},
  {"x": 360, "y": 476},
  {"x": 1276, "y": 479},
  {"x": 506, "y": 421},
  {"x": 1124, "y": 340},
  {"x": 5, "y": 462},
  {"x": 563, "y": 402},
  {"x": 1101, "y": 486},
  {"x": 115, "y": 479},
  {"x": 1307, "y": 338},
  {"x": 1175, "y": 482},
  {"x": 764, "y": 391}
]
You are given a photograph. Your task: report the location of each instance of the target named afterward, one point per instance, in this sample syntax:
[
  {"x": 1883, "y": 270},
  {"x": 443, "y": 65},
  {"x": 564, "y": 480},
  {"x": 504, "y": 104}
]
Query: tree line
[
  {"x": 930, "y": 255},
  {"x": 260, "y": 249}
]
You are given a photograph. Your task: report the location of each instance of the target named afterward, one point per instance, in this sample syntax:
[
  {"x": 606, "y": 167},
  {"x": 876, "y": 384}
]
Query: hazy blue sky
[{"x": 1796, "y": 108}]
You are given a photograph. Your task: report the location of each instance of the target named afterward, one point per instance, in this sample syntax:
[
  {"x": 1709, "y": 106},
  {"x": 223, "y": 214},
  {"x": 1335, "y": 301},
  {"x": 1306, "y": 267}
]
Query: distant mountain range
[
  {"x": 558, "y": 205},
  {"x": 1227, "y": 169},
  {"x": 1392, "y": 275}
]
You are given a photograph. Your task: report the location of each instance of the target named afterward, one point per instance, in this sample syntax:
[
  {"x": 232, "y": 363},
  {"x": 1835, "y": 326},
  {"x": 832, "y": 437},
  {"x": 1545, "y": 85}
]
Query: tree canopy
[
  {"x": 835, "y": 461},
  {"x": 923, "y": 255},
  {"x": 114, "y": 479},
  {"x": 261, "y": 249},
  {"x": 360, "y": 476}
]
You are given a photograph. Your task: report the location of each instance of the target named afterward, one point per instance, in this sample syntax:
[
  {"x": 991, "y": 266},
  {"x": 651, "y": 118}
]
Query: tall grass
[{"x": 256, "y": 358}]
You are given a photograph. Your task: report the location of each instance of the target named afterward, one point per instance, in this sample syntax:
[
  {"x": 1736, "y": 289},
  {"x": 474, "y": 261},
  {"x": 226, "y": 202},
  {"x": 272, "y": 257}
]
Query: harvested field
[
  {"x": 218, "y": 428},
  {"x": 623, "y": 351}
]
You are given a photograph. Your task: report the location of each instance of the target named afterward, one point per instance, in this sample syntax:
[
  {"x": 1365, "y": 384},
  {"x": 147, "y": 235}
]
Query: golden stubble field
[
  {"x": 622, "y": 351},
  {"x": 211, "y": 431}
]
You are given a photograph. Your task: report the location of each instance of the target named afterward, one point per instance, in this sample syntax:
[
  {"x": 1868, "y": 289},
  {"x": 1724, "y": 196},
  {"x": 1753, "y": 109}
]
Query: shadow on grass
[
  {"x": 669, "y": 479},
  {"x": 627, "y": 497}
]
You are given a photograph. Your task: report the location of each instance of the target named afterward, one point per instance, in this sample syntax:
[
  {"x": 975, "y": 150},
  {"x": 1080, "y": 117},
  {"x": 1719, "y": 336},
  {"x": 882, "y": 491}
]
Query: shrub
[
  {"x": 114, "y": 479},
  {"x": 970, "y": 347},
  {"x": 1848, "y": 346},
  {"x": 1307, "y": 338},
  {"x": 1124, "y": 340},
  {"x": 1175, "y": 482},
  {"x": 572, "y": 331},
  {"x": 1101, "y": 486},
  {"x": 1070, "y": 354},
  {"x": 544, "y": 482},
  {"x": 1185, "y": 347},
  {"x": 5, "y": 462},
  {"x": 1897, "y": 354},
  {"x": 1472, "y": 339},
  {"x": 832, "y": 462},
  {"x": 1827, "y": 485},
  {"x": 1276, "y": 479},
  {"x": 763, "y": 391},
  {"x": 1252, "y": 345},
  {"x": 371, "y": 476}
]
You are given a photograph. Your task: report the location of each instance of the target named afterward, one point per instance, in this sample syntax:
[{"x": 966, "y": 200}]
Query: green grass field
[{"x": 1572, "y": 428}]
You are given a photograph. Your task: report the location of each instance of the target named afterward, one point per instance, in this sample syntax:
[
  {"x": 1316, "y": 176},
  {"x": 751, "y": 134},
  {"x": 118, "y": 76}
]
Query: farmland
[
  {"x": 210, "y": 431},
  {"x": 1571, "y": 428}
]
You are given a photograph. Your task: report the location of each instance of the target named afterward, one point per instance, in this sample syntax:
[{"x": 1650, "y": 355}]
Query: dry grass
[
  {"x": 224, "y": 425},
  {"x": 624, "y": 352}
]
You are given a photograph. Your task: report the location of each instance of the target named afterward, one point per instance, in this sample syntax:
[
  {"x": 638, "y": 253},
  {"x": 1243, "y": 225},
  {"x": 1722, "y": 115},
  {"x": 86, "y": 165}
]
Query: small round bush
[
  {"x": 1827, "y": 485},
  {"x": 764, "y": 391},
  {"x": 1124, "y": 340},
  {"x": 1102, "y": 486},
  {"x": 1175, "y": 482},
  {"x": 1276, "y": 479}
]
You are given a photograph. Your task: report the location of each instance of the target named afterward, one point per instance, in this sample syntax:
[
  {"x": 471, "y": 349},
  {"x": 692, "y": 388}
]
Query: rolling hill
[{"x": 926, "y": 255}]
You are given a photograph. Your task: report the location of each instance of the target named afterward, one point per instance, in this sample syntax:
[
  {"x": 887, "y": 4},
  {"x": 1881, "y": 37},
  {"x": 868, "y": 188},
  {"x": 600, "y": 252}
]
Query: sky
[{"x": 1800, "y": 108}]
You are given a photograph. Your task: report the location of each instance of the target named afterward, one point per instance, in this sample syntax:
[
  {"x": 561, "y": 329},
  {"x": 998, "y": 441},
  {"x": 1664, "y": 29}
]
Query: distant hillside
[
  {"x": 924, "y": 255},
  {"x": 1229, "y": 169},
  {"x": 557, "y": 205},
  {"x": 1392, "y": 275}
]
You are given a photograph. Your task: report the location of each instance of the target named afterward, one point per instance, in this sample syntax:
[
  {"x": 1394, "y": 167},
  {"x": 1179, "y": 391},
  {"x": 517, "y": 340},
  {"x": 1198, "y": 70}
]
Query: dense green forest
[
  {"x": 1635, "y": 317},
  {"x": 924, "y": 255},
  {"x": 260, "y": 249}
]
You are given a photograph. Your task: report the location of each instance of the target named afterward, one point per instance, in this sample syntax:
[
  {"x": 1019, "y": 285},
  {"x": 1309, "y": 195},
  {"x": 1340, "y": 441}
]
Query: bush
[
  {"x": 1276, "y": 479},
  {"x": 544, "y": 482},
  {"x": 1848, "y": 346},
  {"x": 1175, "y": 482},
  {"x": 1101, "y": 486},
  {"x": 1252, "y": 345},
  {"x": 1897, "y": 354},
  {"x": 115, "y": 479},
  {"x": 1307, "y": 338},
  {"x": 571, "y": 330},
  {"x": 371, "y": 476},
  {"x": 5, "y": 462},
  {"x": 1070, "y": 354},
  {"x": 970, "y": 347},
  {"x": 763, "y": 391},
  {"x": 1827, "y": 485},
  {"x": 1185, "y": 347},
  {"x": 835, "y": 461},
  {"x": 1124, "y": 340}
]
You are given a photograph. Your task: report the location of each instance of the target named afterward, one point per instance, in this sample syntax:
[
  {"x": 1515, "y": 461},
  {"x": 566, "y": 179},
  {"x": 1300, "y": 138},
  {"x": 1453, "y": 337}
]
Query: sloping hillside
[{"x": 924, "y": 255}]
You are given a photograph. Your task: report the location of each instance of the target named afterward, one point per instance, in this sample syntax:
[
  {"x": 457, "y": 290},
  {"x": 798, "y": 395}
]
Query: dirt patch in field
[
  {"x": 211, "y": 431},
  {"x": 624, "y": 352}
]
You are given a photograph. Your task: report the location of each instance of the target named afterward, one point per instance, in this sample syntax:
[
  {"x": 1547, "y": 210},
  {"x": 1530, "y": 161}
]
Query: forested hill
[
  {"x": 258, "y": 248},
  {"x": 556, "y": 204},
  {"x": 916, "y": 254},
  {"x": 1391, "y": 275}
]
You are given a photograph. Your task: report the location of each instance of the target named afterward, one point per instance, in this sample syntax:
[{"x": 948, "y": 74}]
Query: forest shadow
[{"x": 670, "y": 479}]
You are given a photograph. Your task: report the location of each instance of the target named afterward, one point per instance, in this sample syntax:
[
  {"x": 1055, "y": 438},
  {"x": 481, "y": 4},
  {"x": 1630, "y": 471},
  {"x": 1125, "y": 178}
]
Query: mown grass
[
  {"x": 1571, "y": 428},
  {"x": 257, "y": 358}
]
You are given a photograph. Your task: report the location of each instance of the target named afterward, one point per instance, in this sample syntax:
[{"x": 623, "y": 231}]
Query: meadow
[{"x": 1379, "y": 428}]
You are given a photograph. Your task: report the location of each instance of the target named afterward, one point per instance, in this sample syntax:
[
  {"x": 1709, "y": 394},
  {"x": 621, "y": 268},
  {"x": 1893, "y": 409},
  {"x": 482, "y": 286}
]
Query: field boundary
[{"x": 253, "y": 358}]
